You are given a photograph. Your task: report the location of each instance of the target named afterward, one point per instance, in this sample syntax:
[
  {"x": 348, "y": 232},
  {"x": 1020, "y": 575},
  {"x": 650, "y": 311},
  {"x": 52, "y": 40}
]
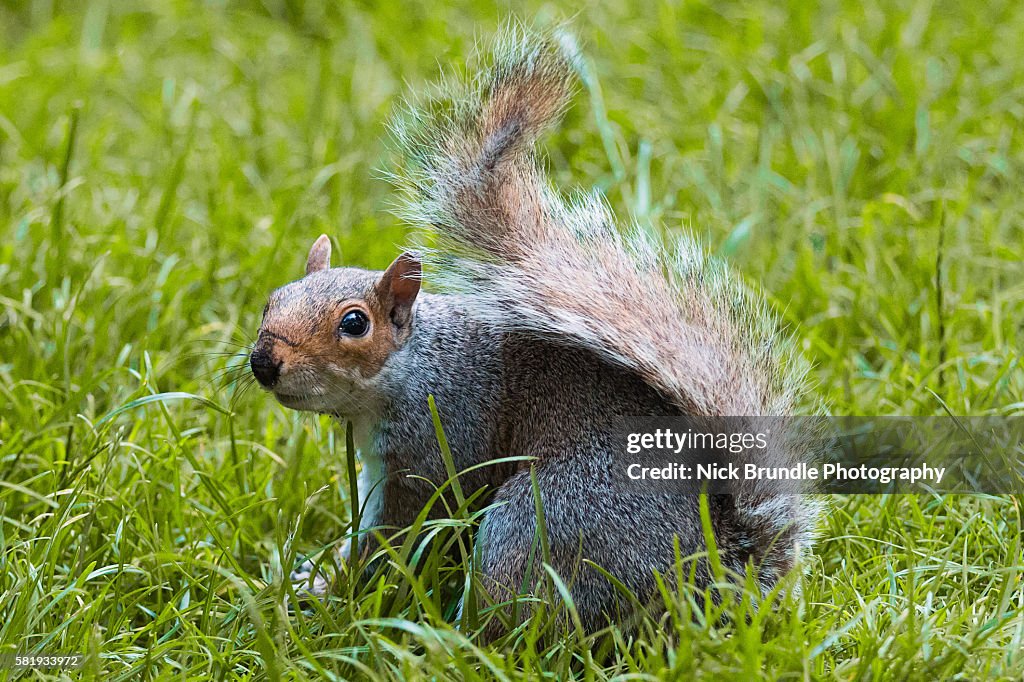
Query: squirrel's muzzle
[{"x": 264, "y": 367}]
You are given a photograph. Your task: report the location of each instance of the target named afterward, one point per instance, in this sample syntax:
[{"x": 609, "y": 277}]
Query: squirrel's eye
[{"x": 354, "y": 323}]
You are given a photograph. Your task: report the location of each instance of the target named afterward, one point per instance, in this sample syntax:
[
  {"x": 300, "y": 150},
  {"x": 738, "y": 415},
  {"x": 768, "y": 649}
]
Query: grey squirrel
[{"x": 552, "y": 323}]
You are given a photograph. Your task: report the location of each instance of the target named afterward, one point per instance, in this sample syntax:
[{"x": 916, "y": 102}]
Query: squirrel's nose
[{"x": 264, "y": 368}]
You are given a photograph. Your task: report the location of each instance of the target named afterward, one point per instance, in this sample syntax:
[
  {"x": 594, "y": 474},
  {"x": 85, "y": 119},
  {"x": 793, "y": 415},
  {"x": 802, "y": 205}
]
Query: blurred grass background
[{"x": 164, "y": 165}]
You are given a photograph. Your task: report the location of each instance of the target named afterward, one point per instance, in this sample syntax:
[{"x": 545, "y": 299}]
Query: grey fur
[{"x": 552, "y": 324}]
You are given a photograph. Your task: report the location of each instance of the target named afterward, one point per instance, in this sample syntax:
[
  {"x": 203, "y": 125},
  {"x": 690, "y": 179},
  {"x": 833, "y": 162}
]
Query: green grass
[{"x": 163, "y": 166}]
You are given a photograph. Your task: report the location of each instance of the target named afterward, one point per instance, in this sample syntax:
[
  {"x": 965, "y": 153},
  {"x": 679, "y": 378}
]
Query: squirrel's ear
[
  {"x": 319, "y": 255},
  {"x": 400, "y": 284}
]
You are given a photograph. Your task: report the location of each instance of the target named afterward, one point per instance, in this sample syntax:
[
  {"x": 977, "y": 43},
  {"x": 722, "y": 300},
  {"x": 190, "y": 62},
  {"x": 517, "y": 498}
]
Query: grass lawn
[{"x": 164, "y": 165}]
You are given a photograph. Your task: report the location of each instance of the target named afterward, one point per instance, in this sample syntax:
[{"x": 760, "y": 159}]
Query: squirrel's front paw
[
  {"x": 314, "y": 577},
  {"x": 306, "y": 584}
]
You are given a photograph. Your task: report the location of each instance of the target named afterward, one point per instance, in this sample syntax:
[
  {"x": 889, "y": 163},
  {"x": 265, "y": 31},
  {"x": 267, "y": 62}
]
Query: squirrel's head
[{"x": 325, "y": 338}]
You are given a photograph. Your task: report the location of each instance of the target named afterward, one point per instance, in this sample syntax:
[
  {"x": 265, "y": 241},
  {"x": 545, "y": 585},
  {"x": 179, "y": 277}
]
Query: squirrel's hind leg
[{"x": 629, "y": 536}]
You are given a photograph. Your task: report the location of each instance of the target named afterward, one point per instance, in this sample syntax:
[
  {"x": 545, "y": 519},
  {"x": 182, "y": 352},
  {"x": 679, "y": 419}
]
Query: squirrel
[{"x": 547, "y": 324}]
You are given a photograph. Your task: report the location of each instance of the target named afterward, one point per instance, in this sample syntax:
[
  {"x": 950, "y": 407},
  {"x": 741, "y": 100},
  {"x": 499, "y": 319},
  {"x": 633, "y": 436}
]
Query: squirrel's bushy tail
[{"x": 537, "y": 263}]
